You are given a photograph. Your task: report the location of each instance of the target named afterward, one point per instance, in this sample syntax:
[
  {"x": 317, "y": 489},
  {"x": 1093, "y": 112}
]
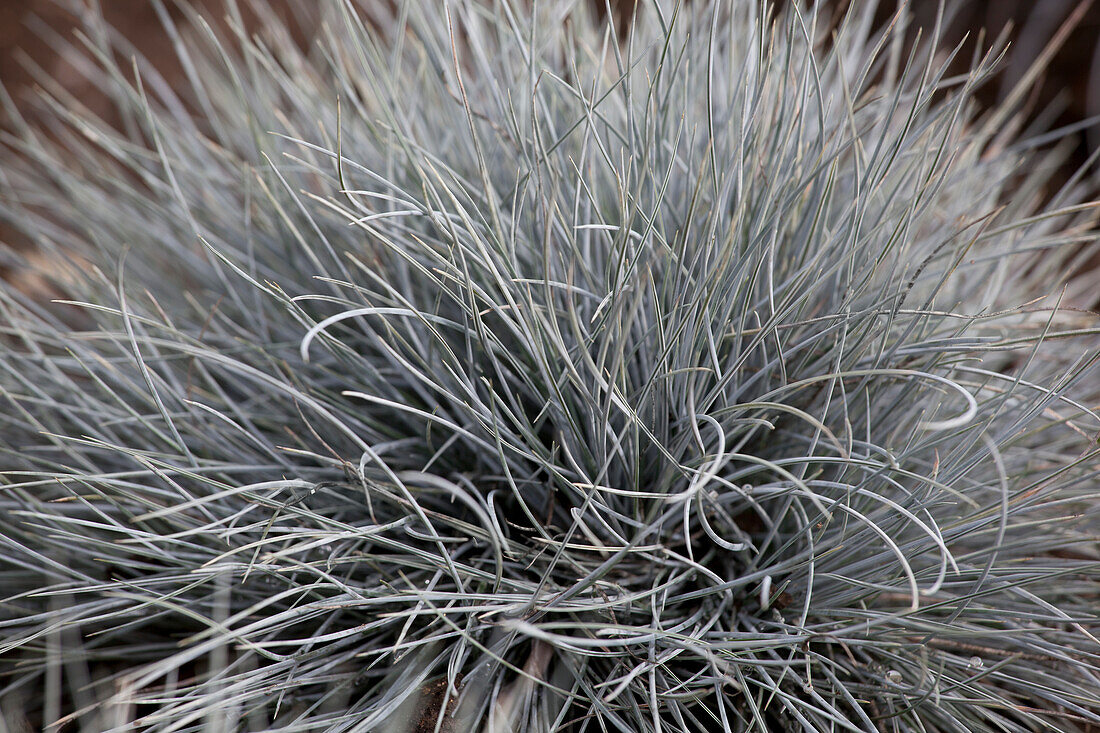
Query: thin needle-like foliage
[{"x": 477, "y": 370}]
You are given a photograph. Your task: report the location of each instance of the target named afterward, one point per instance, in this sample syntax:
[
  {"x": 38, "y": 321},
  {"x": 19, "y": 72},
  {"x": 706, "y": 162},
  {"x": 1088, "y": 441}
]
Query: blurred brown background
[
  {"x": 1069, "y": 84},
  {"x": 31, "y": 32}
]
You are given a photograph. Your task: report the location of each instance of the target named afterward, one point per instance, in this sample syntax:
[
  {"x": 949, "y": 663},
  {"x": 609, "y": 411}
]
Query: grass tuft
[{"x": 471, "y": 371}]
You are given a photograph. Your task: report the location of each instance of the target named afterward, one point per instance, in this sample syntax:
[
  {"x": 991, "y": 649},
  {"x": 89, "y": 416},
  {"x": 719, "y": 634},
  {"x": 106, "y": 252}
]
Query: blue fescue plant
[{"x": 475, "y": 371}]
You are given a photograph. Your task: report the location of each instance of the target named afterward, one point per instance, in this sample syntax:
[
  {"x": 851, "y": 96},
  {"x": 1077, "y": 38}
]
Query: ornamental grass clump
[{"x": 475, "y": 371}]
